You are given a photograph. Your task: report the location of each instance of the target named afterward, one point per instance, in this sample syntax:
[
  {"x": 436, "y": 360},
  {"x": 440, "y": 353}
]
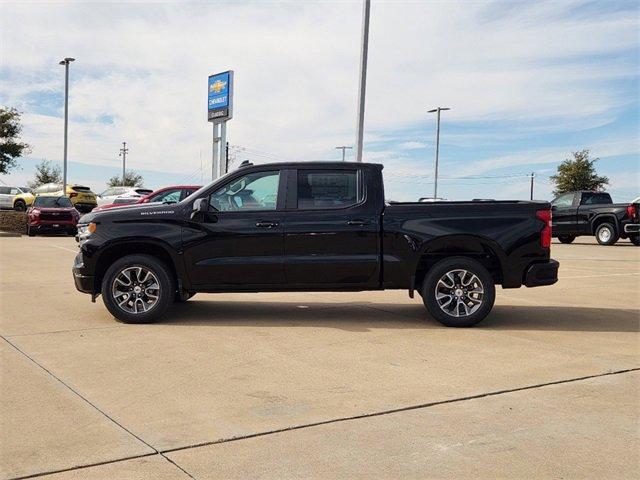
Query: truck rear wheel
[
  {"x": 566, "y": 238},
  {"x": 137, "y": 289},
  {"x": 606, "y": 234},
  {"x": 458, "y": 292}
]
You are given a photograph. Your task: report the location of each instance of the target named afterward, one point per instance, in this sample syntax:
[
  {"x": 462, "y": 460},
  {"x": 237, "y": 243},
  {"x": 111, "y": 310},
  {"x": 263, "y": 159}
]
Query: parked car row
[{"x": 49, "y": 210}]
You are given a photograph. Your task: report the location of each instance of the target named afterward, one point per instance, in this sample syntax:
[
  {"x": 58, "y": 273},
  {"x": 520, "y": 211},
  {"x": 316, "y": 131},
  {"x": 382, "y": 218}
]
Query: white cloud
[{"x": 145, "y": 66}]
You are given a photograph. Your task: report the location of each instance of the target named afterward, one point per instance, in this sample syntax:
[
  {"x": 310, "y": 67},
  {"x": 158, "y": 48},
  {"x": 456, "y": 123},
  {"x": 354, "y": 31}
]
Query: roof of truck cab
[{"x": 311, "y": 165}]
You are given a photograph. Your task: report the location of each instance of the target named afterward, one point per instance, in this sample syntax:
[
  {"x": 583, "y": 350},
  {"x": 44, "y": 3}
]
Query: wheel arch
[
  {"x": 604, "y": 218},
  {"x": 479, "y": 248},
  {"x": 118, "y": 250}
]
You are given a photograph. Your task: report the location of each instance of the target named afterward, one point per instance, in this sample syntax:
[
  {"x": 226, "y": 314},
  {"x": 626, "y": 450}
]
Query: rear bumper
[
  {"x": 540, "y": 274},
  {"x": 632, "y": 228},
  {"x": 85, "y": 207}
]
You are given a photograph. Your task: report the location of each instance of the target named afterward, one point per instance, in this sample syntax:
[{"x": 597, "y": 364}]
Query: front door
[
  {"x": 564, "y": 215},
  {"x": 238, "y": 243},
  {"x": 331, "y": 231}
]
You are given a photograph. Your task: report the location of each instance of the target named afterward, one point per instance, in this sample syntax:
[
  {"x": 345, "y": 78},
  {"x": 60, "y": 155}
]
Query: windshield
[
  {"x": 25, "y": 189},
  {"x": 52, "y": 202},
  {"x": 204, "y": 188}
]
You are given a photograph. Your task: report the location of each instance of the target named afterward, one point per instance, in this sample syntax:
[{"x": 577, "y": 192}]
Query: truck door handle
[
  {"x": 357, "y": 223},
  {"x": 266, "y": 224}
]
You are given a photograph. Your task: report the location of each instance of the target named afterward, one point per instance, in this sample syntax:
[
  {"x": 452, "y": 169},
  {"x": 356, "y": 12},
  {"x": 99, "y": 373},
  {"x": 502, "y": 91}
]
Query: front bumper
[
  {"x": 84, "y": 282},
  {"x": 632, "y": 228},
  {"x": 540, "y": 274}
]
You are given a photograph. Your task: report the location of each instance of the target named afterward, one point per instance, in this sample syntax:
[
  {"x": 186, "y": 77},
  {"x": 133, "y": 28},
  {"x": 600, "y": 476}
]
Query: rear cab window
[
  {"x": 595, "y": 199},
  {"x": 327, "y": 189}
]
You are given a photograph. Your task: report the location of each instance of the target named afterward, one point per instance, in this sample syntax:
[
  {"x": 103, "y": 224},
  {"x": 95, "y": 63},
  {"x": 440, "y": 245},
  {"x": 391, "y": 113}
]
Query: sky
[{"x": 527, "y": 84}]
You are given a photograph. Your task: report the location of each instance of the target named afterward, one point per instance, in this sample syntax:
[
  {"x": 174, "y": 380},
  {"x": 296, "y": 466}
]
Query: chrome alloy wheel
[
  {"x": 459, "y": 293},
  {"x": 604, "y": 234},
  {"x": 135, "y": 290}
]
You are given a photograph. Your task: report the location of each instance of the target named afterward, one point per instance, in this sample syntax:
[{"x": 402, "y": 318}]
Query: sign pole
[
  {"x": 214, "y": 160},
  {"x": 223, "y": 148}
]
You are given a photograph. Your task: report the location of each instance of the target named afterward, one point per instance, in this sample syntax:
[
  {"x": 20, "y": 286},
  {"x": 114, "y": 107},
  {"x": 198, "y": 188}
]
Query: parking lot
[{"x": 320, "y": 385}]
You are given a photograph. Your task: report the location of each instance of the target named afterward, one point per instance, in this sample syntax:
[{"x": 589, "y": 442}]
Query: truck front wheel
[
  {"x": 635, "y": 239},
  {"x": 458, "y": 292},
  {"x": 137, "y": 289},
  {"x": 606, "y": 234}
]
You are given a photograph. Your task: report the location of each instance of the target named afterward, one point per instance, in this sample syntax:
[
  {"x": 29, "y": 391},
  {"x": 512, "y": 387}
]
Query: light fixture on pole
[
  {"x": 435, "y": 181},
  {"x": 123, "y": 153},
  {"x": 362, "y": 82},
  {"x": 343, "y": 148},
  {"x": 66, "y": 63}
]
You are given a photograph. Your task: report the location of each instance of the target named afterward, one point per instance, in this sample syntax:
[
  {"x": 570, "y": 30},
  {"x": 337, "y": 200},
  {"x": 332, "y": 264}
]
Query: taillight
[
  {"x": 73, "y": 194},
  {"x": 545, "y": 233},
  {"x": 631, "y": 212}
]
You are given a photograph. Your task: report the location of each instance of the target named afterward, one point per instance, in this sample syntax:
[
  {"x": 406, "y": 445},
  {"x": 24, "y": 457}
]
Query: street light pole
[
  {"x": 343, "y": 148},
  {"x": 123, "y": 153},
  {"x": 364, "y": 52},
  {"x": 66, "y": 63},
  {"x": 435, "y": 181}
]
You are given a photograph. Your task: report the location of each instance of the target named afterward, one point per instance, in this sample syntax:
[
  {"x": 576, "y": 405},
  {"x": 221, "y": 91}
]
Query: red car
[
  {"x": 172, "y": 194},
  {"x": 53, "y": 214}
]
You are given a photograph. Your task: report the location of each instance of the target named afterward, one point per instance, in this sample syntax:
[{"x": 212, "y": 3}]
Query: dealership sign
[{"x": 220, "y": 97}]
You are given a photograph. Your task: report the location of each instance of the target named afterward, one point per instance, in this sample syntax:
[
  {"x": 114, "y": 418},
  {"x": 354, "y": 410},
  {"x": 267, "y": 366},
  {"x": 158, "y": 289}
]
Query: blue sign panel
[{"x": 220, "y": 96}]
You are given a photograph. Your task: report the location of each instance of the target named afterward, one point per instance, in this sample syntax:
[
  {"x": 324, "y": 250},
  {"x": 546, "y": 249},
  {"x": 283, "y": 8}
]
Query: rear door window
[
  {"x": 327, "y": 189},
  {"x": 595, "y": 198}
]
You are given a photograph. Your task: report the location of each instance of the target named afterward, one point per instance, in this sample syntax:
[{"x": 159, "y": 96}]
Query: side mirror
[{"x": 200, "y": 206}]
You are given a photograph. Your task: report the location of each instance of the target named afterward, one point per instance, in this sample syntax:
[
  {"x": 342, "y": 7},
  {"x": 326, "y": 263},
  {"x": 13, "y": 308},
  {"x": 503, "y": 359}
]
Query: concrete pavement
[{"x": 80, "y": 389}]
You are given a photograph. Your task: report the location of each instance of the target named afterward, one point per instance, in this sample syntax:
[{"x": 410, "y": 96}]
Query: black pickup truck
[
  {"x": 312, "y": 226},
  {"x": 594, "y": 213}
]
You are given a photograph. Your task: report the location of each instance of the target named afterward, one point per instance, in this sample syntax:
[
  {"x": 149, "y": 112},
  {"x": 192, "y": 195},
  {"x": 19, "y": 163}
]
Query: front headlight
[{"x": 85, "y": 231}]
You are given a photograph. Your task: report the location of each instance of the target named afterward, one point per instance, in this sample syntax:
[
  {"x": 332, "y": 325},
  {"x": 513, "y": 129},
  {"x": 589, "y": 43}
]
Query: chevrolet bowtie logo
[{"x": 217, "y": 86}]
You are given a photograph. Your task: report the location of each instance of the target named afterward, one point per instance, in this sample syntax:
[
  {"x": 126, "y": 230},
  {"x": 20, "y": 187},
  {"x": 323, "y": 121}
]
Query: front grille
[{"x": 55, "y": 216}]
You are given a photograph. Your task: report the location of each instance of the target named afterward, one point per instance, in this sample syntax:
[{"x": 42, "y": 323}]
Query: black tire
[
  {"x": 183, "y": 297},
  {"x": 635, "y": 239},
  {"x": 20, "y": 206},
  {"x": 606, "y": 234},
  {"x": 440, "y": 269},
  {"x": 566, "y": 238},
  {"x": 165, "y": 292},
  {"x": 31, "y": 231}
]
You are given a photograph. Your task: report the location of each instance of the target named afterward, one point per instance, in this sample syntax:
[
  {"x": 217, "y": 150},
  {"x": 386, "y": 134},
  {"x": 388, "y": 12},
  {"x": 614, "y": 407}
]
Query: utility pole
[
  {"x": 123, "y": 153},
  {"x": 343, "y": 148},
  {"x": 364, "y": 52},
  {"x": 66, "y": 63},
  {"x": 532, "y": 177},
  {"x": 435, "y": 184}
]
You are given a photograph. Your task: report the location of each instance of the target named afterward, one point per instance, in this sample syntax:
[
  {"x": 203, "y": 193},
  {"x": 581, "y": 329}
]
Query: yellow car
[
  {"x": 82, "y": 198},
  {"x": 23, "y": 200}
]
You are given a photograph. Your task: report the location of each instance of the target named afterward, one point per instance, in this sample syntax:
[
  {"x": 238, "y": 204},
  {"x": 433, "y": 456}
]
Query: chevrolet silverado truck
[
  {"x": 594, "y": 214},
  {"x": 312, "y": 226}
]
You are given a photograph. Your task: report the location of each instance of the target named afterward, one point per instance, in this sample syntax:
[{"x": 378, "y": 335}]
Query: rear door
[
  {"x": 564, "y": 214},
  {"x": 331, "y": 235},
  {"x": 238, "y": 243}
]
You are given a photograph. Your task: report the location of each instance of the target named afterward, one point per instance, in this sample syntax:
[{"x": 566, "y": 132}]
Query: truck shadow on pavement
[{"x": 364, "y": 316}]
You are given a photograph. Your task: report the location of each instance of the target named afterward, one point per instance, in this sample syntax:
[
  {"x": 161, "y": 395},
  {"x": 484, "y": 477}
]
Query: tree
[
  {"x": 46, "y": 172},
  {"x": 131, "y": 179},
  {"x": 578, "y": 173},
  {"x": 10, "y": 146}
]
